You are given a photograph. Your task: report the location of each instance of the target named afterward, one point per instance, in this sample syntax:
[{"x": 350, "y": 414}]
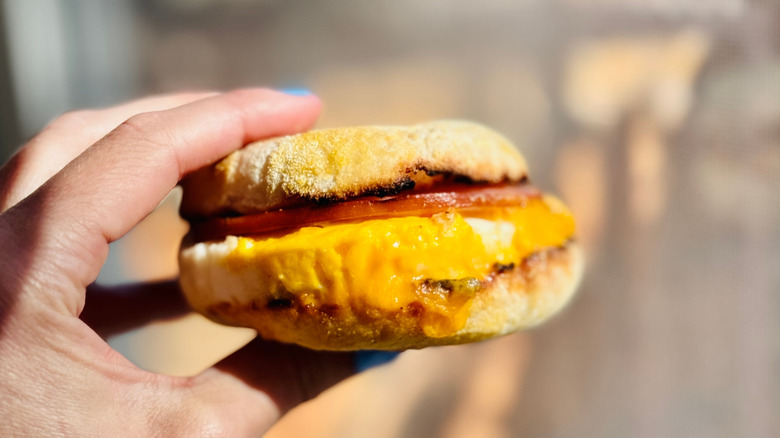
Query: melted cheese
[{"x": 383, "y": 263}]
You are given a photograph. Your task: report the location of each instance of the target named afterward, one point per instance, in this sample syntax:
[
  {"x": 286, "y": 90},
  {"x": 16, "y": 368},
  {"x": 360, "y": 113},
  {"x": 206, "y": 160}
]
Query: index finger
[
  {"x": 109, "y": 188},
  {"x": 66, "y": 137}
]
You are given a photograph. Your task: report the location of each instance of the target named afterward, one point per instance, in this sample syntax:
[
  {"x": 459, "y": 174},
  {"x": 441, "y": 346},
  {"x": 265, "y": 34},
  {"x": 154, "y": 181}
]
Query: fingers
[
  {"x": 245, "y": 393},
  {"x": 109, "y": 188},
  {"x": 114, "y": 310},
  {"x": 126, "y": 174},
  {"x": 67, "y": 137},
  {"x": 264, "y": 380}
]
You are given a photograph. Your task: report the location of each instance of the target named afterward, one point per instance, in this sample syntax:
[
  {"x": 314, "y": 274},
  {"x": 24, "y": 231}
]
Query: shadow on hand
[
  {"x": 288, "y": 374},
  {"x": 112, "y": 310}
]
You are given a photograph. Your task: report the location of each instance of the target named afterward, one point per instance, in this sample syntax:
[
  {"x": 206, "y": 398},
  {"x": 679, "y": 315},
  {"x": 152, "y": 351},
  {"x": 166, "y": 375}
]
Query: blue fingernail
[
  {"x": 367, "y": 359},
  {"x": 295, "y": 91}
]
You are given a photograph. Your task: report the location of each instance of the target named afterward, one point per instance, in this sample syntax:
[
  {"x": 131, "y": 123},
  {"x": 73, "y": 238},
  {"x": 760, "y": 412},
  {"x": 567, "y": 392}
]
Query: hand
[{"x": 82, "y": 183}]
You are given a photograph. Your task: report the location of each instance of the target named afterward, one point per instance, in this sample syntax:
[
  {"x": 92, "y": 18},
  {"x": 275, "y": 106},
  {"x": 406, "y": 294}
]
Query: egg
[{"x": 388, "y": 264}]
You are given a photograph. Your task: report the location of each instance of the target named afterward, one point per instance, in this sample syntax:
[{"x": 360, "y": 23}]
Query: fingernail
[
  {"x": 295, "y": 91},
  {"x": 367, "y": 359}
]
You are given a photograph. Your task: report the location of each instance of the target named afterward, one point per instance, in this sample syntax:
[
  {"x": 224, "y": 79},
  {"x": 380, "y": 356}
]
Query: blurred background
[{"x": 657, "y": 121}]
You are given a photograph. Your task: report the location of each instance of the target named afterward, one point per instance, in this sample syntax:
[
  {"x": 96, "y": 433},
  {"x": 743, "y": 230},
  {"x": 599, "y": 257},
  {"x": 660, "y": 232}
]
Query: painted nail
[
  {"x": 295, "y": 91},
  {"x": 367, "y": 359}
]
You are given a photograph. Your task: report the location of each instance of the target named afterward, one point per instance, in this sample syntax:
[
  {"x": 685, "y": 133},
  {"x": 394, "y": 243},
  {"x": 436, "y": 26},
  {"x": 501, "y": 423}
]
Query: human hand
[{"x": 82, "y": 183}]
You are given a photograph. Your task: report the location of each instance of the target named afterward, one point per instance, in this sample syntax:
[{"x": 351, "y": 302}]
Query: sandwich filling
[{"x": 433, "y": 251}]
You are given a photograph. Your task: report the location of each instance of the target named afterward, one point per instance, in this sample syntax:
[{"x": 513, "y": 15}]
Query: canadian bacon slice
[{"x": 409, "y": 204}]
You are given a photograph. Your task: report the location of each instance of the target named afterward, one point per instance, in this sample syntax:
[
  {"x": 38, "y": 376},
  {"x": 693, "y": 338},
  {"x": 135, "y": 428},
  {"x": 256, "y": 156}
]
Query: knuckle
[
  {"x": 71, "y": 120},
  {"x": 64, "y": 125},
  {"x": 148, "y": 132},
  {"x": 141, "y": 123},
  {"x": 143, "y": 129}
]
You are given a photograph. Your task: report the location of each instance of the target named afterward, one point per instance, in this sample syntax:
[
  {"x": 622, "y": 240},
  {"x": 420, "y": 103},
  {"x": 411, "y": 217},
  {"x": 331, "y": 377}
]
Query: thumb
[{"x": 259, "y": 383}]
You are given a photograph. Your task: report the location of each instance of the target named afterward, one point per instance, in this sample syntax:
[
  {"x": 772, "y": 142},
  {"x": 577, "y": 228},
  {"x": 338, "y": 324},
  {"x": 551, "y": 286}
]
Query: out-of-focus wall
[
  {"x": 65, "y": 55},
  {"x": 658, "y": 123}
]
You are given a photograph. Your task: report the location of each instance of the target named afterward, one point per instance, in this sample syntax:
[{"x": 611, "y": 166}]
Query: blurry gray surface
[
  {"x": 67, "y": 55},
  {"x": 9, "y": 123}
]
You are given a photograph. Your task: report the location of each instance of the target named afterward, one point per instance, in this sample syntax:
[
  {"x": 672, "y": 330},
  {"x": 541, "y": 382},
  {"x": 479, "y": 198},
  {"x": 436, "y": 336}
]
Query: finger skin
[
  {"x": 271, "y": 378},
  {"x": 252, "y": 387},
  {"x": 68, "y": 136},
  {"x": 114, "y": 184},
  {"x": 57, "y": 376}
]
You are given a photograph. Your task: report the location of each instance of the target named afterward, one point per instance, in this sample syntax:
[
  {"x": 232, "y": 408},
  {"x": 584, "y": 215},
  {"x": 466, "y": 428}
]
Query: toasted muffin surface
[{"x": 336, "y": 164}]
